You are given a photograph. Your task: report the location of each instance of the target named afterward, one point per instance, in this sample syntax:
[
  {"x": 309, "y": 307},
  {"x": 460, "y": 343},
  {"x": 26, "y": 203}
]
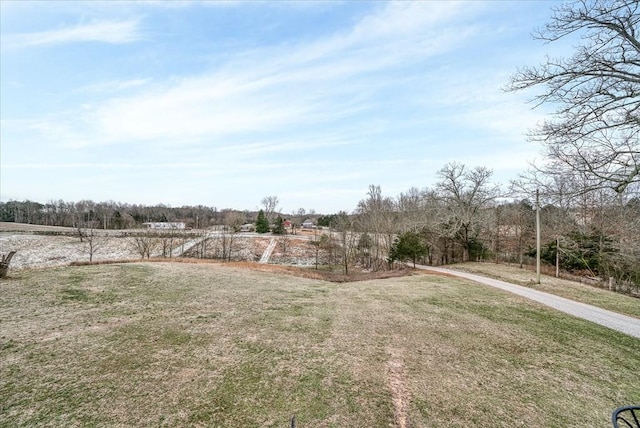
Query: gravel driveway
[{"x": 612, "y": 320}]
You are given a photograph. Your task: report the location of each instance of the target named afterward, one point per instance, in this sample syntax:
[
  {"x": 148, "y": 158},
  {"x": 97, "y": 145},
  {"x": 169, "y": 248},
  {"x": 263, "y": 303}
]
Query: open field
[
  {"x": 159, "y": 344},
  {"x": 37, "y": 250},
  {"x": 573, "y": 290},
  {"x": 49, "y": 246},
  {"x": 6, "y": 226}
]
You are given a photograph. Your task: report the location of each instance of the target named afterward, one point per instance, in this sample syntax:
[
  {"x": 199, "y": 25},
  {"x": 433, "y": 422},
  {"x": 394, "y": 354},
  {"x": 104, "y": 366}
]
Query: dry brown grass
[
  {"x": 6, "y": 226},
  {"x": 197, "y": 344},
  {"x": 300, "y": 272}
]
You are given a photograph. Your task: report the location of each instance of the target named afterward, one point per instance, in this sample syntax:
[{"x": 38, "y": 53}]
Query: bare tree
[
  {"x": 595, "y": 230},
  {"x": 270, "y": 204},
  {"x": 320, "y": 241},
  {"x": 377, "y": 216},
  {"x": 285, "y": 245},
  {"x": 412, "y": 206},
  {"x": 144, "y": 244},
  {"x": 347, "y": 239},
  {"x": 465, "y": 192},
  {"x": 203, "y": 246},
  {"x": 515, "y": 230},
  {"x": 93, "y": 241},
  {"x": 233, "y": 220},
  {"x": 4, "y": 263},
  {"x": 364, "y": 250},
  {"x": 595, "y": 130},
  {"x": 168, "y": 240},
  {"x": 624, "y": 232}
]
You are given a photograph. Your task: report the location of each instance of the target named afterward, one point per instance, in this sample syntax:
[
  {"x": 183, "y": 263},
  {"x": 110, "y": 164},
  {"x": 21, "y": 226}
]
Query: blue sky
[{"x": 223, "y": 103}]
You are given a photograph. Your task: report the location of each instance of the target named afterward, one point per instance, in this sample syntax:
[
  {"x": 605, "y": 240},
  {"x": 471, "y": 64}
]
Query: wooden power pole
[{"x": 537, "y": 236}]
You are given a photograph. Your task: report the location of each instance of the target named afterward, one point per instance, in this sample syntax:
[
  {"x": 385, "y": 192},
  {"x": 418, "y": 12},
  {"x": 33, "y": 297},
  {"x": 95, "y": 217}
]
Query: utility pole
[
  {"x": 537, "y": 236},
  {"x": 558, "y": 257}
]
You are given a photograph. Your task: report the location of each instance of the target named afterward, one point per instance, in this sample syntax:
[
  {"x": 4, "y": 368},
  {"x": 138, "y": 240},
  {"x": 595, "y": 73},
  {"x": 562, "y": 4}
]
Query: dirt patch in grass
[
  {"x": 323, "y": 274},
  {"x": 397, "y": 381},
  {"x": 296, "y": 271}
]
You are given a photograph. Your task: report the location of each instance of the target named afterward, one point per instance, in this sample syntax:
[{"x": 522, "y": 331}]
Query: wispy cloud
[
  {"x": 115, "y": 85},
  {"x": 286, "y": 87},
  {"x": 385, "y": 96},
  {"x": 113, "y": 32}
]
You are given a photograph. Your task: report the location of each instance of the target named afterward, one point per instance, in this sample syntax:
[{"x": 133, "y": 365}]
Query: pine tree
[
  {"x": 407, "y": 246},
  {"x": 262, "y": 224},
  {"x": 278, "y": 228}
]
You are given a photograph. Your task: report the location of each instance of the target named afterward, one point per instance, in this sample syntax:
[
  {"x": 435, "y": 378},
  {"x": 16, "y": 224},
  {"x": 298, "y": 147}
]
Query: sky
[{"x": 224, "y": 103}]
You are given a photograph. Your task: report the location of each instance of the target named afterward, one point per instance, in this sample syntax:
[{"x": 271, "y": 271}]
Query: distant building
[
  {"x": 308, "y": 224},
  {"x": 249, "y": 227},
  {"x": 165, "y": 225}
]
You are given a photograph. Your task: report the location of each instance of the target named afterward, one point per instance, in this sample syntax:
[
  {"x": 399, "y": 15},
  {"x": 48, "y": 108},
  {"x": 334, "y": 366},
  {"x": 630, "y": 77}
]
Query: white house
[
  {"x": 164, "y": 225},
  {"x": 249, "y": 227}
]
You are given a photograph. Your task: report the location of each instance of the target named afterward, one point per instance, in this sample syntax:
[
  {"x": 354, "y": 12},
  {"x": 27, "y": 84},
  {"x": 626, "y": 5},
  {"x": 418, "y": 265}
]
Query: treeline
[
  {"x": 466, "y": 217},
  {"x": 106, "y": 215}
]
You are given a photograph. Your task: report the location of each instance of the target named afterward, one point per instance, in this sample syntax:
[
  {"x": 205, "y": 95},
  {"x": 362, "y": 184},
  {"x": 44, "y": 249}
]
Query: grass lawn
[
  {"x": 573, "y": 290},
  {"x": 158, "y": 344}
]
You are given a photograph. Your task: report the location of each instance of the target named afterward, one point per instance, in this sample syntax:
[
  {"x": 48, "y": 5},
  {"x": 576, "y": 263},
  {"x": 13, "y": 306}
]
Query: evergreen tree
[
  {"x": 262, "y": 224},
  {"x": 408, "y": 246},
  {"x": 279, "y": 228},
  {"x": 327, "y": 220}
]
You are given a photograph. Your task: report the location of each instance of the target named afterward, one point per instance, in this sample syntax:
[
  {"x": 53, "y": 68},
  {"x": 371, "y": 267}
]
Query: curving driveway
[{"x": 612, "y": 320}]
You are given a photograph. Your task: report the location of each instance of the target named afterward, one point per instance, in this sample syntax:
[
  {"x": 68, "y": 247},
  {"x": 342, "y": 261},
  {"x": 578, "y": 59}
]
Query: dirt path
[
  {"x": 267, "y": 252},
  {"x": 612, "y": 320},
  {"x": 399, "y": 393}
]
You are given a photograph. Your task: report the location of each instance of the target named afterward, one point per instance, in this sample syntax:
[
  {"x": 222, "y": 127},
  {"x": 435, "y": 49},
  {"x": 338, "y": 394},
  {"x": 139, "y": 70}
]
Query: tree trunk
[{"x": 4, "y": 265}]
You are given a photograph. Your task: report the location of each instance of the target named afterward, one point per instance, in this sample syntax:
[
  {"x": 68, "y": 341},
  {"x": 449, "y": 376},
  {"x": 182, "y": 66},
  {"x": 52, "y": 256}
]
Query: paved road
[{"x": 613, "y": 320}]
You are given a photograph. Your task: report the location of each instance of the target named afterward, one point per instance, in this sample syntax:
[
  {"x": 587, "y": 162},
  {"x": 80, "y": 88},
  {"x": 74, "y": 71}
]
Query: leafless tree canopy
[
  {"x": 144, "y": 244},
  {"x": 465, "y": 192},
  {"x": 93, "y": 241},
  {"x": 270, "y": 204},
  {"x": 595, "y": 130},
  {"x": 377, "y": 216}
]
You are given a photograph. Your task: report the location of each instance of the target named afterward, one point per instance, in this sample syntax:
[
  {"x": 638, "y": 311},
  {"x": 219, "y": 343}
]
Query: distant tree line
[
  {"x": 117, "y": 215},
  {"x": 106, "y": 215}
]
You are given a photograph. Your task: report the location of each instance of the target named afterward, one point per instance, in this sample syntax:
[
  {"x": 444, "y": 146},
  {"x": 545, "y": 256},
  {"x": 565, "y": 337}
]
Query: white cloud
[
  {"x": 409, "y": 19},
  {"x": 286, "y": 86},
  {"x": 116, "y": 85},
  {"x": 113, "y": 32}
]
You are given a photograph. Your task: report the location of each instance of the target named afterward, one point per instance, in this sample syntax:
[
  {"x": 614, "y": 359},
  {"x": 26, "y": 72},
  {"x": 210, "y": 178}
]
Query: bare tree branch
[{"x": 595, "y": 131}]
